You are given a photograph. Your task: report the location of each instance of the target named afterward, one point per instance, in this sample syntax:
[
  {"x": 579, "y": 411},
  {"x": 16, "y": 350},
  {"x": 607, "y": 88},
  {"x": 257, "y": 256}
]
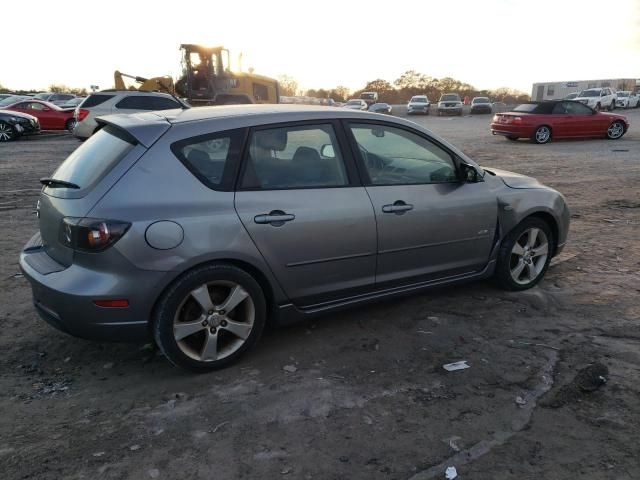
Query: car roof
[{"x": 133, "y": 92}]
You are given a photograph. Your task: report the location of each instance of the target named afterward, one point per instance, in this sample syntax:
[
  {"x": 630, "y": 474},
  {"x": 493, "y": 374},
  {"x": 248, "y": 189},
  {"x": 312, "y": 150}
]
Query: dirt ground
[{"x": 364, "y": 394}]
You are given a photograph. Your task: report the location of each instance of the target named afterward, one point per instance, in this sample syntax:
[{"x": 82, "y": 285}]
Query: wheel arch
[{"x": 550, "y": 220}]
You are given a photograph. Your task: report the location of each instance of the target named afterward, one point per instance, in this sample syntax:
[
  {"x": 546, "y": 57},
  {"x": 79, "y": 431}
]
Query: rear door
[
  {"x": 299, "y": 199},
  {"x": 430, "y": 224}
]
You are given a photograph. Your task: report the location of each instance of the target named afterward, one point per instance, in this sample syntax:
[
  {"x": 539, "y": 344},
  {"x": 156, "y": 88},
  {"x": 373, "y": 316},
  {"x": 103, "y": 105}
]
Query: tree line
[
  {"x": 53, "y": 88},
  {"x": 410, "y": 83}
]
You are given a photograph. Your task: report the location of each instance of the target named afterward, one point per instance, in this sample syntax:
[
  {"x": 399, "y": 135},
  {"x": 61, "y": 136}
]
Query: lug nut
[
  {"x": 221, "y": 312},
  {"x": 205, "y": 323},
  {"x": 210, "y": 312},
  {"x": 223, "y": 323},
  {"x": 212, "y": 329}
]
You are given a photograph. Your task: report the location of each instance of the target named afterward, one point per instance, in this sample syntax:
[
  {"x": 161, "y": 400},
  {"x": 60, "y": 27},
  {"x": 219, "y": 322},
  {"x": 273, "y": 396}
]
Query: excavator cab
[{"x": 205, "y": 73}]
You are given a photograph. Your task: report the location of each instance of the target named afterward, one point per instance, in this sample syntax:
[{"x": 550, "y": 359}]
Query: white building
[{"x": 557, "y": 90}]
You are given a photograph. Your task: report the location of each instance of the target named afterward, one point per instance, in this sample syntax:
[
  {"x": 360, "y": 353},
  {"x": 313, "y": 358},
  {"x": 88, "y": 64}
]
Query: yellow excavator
[{"x": 207, "y": 80}]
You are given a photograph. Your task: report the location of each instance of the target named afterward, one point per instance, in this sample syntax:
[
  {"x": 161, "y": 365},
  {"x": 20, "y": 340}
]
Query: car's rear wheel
[
  {"x": 542, "y": 134},
  {"x": 209, "y": 317},
  {"x": 70, "y": 125},
  {"x": 7, "y": 132},
  {"x": 615, "y": 130},
  {"x": 524, "y": 255}
]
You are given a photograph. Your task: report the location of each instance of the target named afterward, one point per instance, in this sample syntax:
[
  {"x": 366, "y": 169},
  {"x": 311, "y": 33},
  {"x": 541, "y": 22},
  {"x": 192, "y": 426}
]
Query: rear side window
[
  {"x": 95, "y": 99},
  {"x": 95, "y": 157},
  {"x": 139, "y": 102},
  {"x": 212, "y": 158}
]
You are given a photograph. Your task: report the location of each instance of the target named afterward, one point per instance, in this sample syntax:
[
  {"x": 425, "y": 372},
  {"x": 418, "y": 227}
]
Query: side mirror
[
  {"x": 468, "y": 173},
  {"x": 327, "y": 151}
]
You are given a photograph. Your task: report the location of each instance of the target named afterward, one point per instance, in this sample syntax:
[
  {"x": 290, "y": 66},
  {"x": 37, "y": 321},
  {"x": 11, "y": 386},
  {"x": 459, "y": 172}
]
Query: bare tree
[{"x": 288, "y": 85}]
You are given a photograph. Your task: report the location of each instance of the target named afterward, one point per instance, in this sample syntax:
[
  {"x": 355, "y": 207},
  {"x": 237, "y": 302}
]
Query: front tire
[
  {"x": 7, "y": 132},
  {"x": 615, "y": 130},
  {"x": 524, "y": 255},
  {"x": 542, "y": 135},
  {"x": 210, "y": 317}
]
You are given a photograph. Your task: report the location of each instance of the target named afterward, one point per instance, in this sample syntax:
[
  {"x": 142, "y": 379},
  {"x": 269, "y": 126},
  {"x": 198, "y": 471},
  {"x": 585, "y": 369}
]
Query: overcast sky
[{"x": 488, "y": 43}]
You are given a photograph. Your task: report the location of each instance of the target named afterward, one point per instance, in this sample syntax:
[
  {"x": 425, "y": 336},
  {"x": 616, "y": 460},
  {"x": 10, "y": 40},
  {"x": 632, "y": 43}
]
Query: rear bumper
[
  {"x": 63, "y": 297},
  {"x": 85, "y": 128},
  {"x": 510, "y": 130}
]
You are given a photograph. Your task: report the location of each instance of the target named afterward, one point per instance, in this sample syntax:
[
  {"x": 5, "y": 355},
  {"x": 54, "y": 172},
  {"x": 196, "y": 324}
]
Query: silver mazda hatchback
[{"x": 197, "y": 227}]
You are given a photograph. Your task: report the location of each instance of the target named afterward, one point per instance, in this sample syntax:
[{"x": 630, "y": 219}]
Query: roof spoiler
[{"x": 145, "y": 128}]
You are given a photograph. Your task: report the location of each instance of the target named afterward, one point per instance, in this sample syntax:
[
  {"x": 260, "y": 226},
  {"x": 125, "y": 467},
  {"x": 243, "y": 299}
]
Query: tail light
[
  {"x": 91, "y": 234},
  {"x": 81, "y": 114},
  {"x": 495, "y": 118},
  {"x": 517, "y": 120}
]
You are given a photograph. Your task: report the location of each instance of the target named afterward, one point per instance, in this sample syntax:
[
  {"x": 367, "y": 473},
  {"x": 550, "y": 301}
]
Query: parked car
[
  {"x": 198, "y": 226},
  {"x": 13, "y": 125},
  {"x": 450, "y": 103},
  {"x": 598, "y": 98},
  {"x": 381, "y": 108},
  {"x": 73, "y": 103},
  {"x": 11, "y": 99},
  {"x": 118, "y": 101},
  {"x": 43, "y": 96},
  {"x": 481, "y": 105},
  {"x": 542, "y": 121},
  {"x": 5, "y": 95},
  {"x": 418, "y": 104},
  {"x": 356, "y": 104},
  {"x": 50, "y": 116},
  {"x": 627, "y": 99},
  {"x": 572, "y": 96}
]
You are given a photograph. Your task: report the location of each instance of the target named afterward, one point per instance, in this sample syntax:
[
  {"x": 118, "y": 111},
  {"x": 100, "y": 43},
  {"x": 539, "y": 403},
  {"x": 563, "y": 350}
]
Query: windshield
[
  {"x": 623, "y": 94},
  {"x": 8, "y": 101},
  {"x": 480, "y": 100},
  {"x": 95, "y": 157},
  {"x": 368, "y": 95},
  {"x": 419, "y": 100},
  {"x": 590, "y": 93},
  {"x": 42, "y": 96},
  {"x": 450, "y": 98}
]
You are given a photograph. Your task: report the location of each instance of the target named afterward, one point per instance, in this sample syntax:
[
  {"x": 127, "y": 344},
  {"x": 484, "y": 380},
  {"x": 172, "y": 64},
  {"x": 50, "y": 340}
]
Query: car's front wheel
[
  {"x": 615, "y": 130},
  {"x": 209, "y": 317},
  {"x": 542, "y": 134},
  {"x": 524, "y": 255},
  {"x": 7, "y": 132}
]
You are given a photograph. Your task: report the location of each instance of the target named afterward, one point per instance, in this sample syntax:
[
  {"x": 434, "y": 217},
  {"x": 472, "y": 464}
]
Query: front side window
[
  {"x": 575, "y": 108},
  {"x": 294, "y": 157},
  {"x": 211, "y": 158},
  {"x": 34, "y": 106},
  {"x": 393, "y": 156}
]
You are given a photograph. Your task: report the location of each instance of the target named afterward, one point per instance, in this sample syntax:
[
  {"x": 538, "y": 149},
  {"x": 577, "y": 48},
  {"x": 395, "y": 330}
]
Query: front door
[
  {"x": 430, "y": 224},
  {"x": 299, "y": 201}
]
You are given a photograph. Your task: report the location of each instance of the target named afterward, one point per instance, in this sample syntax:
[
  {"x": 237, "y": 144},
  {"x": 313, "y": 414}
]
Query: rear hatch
[{"x": 84, "y": 178}]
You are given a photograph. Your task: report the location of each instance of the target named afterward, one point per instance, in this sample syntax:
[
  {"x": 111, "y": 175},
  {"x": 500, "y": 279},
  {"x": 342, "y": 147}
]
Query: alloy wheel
[
  {"x": 529, "y": 256},
  {"x": 213, "y": 321},
  {"x": 6, "y": 132},
  {"x": 543, "y": 134},
  {"x": 615, "y": 130}
]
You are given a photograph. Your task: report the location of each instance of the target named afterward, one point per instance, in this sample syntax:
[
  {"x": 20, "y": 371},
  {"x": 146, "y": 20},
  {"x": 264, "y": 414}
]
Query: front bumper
[
  {"x": 481, "y": 109},
  {"x": 27, "y": 127},
  {"x": 63, "y": 296},
  {"x": 451, "y": 110},
  {"x": 418, "y": 109}
]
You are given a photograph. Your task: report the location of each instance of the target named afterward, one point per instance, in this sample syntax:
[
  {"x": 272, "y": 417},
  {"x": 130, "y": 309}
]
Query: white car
[
  {"x": 627, "y": 99},
  {"x": 450, "y": 103},
  {"x": 598, "y": 98},
  {"x": 356, "y": 104},
  {"x": 418, "y": 104},
  {"x": 118, "y": 101}
]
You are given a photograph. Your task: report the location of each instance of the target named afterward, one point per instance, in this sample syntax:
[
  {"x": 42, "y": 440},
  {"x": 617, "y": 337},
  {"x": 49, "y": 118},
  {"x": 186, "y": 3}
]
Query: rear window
[
  {"x": 535, "y": 107},
  {"x": 95, "y": 99},
  {"x": 95, "y": 157},
  {"x": 212, "y": 158}
]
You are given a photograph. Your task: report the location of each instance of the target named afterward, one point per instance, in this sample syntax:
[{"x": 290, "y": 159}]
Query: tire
[
  {"x": 517, "y": 268},
  {"x": 542, "y": 135},
  {"x": 615, "y": 130},
  {"x": 612, "y": 107},
  {"x": 7, "y": 132},
  {"x": 70, "y": 124},
  {"x": 208, "y": 337},
  {"x": 512, "y": 138}
]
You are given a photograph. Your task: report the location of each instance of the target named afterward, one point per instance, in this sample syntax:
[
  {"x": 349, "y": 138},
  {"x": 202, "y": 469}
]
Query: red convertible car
[
  {"x": 51, "y": 116},
  {"x": 542, "y": 121}
]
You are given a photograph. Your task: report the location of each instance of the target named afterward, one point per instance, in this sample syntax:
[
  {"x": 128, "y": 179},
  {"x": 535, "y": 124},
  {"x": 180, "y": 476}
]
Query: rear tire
[
  {"x": 542, "y": 135},
  {"x": 7, "y": 132},
  {"x": 70, "y": 125},
  {"x": 524, "y": 255},
  {"x": 209, "y": 317}
]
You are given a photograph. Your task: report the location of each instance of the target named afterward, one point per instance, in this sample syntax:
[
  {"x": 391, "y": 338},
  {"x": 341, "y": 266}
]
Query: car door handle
[
  {"x": 277, "y": 218},
  {"x": 398, "y": 207}
]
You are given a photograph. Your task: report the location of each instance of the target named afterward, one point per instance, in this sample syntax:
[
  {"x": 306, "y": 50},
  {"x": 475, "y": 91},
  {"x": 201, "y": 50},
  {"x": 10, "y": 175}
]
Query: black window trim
[
  {"x": 126, "y": 97},
  {"x": 364, "y": 172},
  {"x": 238, "y": 138},
  {"x": 353, "y": 177}
]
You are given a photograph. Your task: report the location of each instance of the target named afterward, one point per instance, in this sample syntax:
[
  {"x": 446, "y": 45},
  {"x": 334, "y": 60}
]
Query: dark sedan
[
  {"x": 542, "y": 121},
  {"x": 16, "y": 124},
  {"x": 381, "y": 108}
]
